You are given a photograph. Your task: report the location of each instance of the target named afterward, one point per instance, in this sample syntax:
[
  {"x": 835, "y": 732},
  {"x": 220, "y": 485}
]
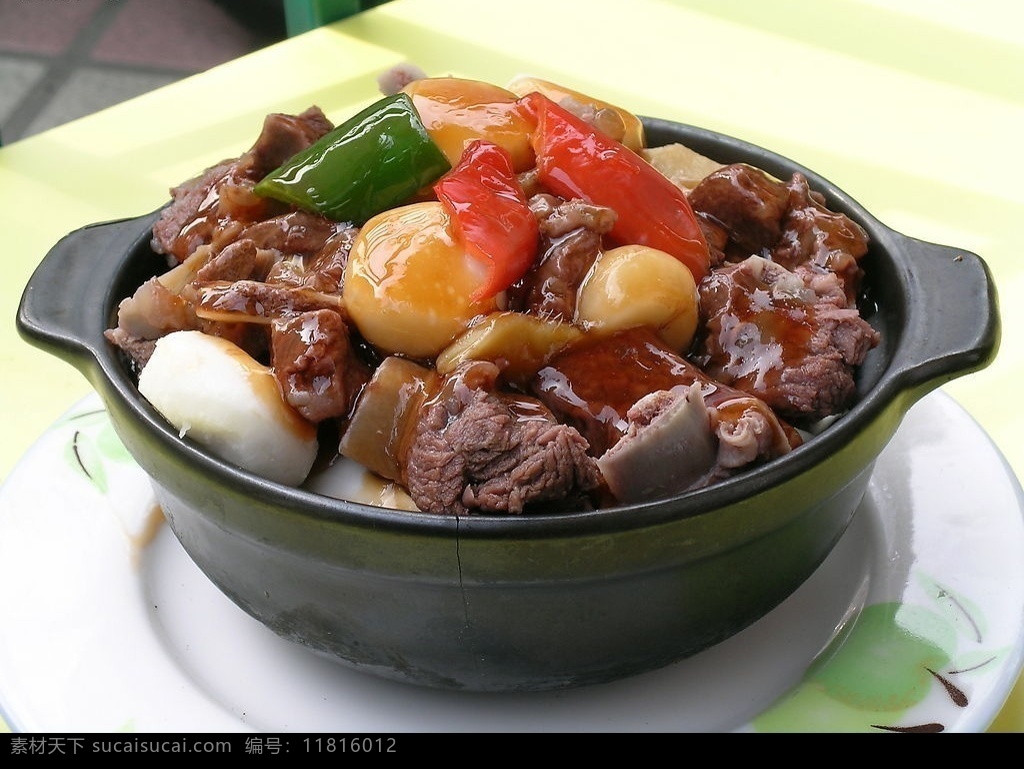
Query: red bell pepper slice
[
  {"x": 491, "y": 214},
  {"x": 576, "y": 161}
]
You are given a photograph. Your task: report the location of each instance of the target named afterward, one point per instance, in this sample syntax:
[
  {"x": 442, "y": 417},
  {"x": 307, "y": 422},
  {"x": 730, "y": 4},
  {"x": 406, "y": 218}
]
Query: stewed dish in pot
[
  {"x": 497, "y": 300},
  {"x": 505, "y": 388}
]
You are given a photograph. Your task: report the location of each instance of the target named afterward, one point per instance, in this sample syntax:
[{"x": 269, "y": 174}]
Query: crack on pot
[{"x": 458, "y": 563}]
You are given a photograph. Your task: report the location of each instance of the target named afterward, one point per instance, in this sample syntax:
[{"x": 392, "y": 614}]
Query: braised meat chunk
[
  {"x": 816, "y": 241},
  {"x": 479, "y": 449},
  {"x": 215, "y": 206},
  {"x": 746, "y": 212},
  {"x": 317, "y": 369},
  {"x": 794, "y": 345},
  {"x": 239, "y": 261},
  {"x": 746, "y": 203},
  {"x": 572, "y": 234},
  {"x": 779, "y": 317}
]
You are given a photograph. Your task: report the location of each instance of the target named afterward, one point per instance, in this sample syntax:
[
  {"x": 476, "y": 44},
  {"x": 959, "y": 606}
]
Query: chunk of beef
[
  {"x": 137, "y": 349},
  {"x": 293, "y": 233},
  {"x": 479, "y": 450},
  {"x": 252, "y": 301},
  {"x": 747, "y": 203},
  {"x": 286, "y": 135},
  {"x": 191, "y": 205},
  {"x": 316, "y": 366},
  {"x": 238, "y": 261},
  {"x": 215, "y": 206},
  {"x": 322, "y": 269},
  {"x": 715, "y": 235},
  {"x": 571, "y": 239},
  {"x": 325, "y": 270},
  {"x": 770, "y": 334},
  {"x": 156, "y": 309},
  {"x": 557, "y": 217},
  {"x": 786, "y": 222},
  {"x": 817, "y": 241},
  {"x": 310, "y": 251}
]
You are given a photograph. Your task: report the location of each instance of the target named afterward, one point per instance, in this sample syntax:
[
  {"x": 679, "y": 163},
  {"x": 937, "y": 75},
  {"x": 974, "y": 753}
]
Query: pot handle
[
  {"x": 63, "y": 306},
  {"x": 952, "y": 326}
]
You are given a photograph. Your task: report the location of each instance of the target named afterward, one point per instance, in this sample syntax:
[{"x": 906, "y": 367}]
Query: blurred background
[{"x": 63, "y": 59}]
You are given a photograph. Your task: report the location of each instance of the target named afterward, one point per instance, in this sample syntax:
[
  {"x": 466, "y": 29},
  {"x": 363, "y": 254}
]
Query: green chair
[{"x": 303, "y": 15}]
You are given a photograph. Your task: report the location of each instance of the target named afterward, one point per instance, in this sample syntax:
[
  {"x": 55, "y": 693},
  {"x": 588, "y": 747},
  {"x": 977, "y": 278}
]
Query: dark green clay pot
[{"x": 528, "y": 603}]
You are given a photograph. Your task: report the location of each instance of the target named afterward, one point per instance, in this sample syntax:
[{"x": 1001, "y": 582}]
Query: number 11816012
[{"x": 350, "y": 744}]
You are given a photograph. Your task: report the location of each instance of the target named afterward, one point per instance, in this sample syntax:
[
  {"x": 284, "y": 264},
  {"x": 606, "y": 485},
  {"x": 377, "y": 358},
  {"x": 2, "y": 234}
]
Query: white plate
[{"x": 915, "y": 622}]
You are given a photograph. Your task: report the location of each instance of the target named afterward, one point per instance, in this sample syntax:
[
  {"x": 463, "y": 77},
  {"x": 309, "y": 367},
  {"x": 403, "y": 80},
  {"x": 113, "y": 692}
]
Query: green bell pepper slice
[{"x": 370, "y": 163}]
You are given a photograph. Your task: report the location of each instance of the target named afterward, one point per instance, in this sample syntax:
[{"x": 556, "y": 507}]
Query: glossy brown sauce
[
  {"x": 756, "y": 334},
  {"x": 594, "y": 383},
  {"x": 228, "y": 207}
]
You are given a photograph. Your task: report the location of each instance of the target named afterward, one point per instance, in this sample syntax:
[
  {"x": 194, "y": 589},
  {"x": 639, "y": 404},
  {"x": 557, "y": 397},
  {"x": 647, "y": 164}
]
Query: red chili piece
[
  {"x": 491, "y": 215},
  {"x": 576, "y": 161}
]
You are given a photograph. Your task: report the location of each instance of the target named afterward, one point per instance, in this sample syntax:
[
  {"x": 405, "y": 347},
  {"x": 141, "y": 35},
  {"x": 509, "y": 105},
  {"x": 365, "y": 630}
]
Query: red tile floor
[{"x": 63, "y": 59}]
